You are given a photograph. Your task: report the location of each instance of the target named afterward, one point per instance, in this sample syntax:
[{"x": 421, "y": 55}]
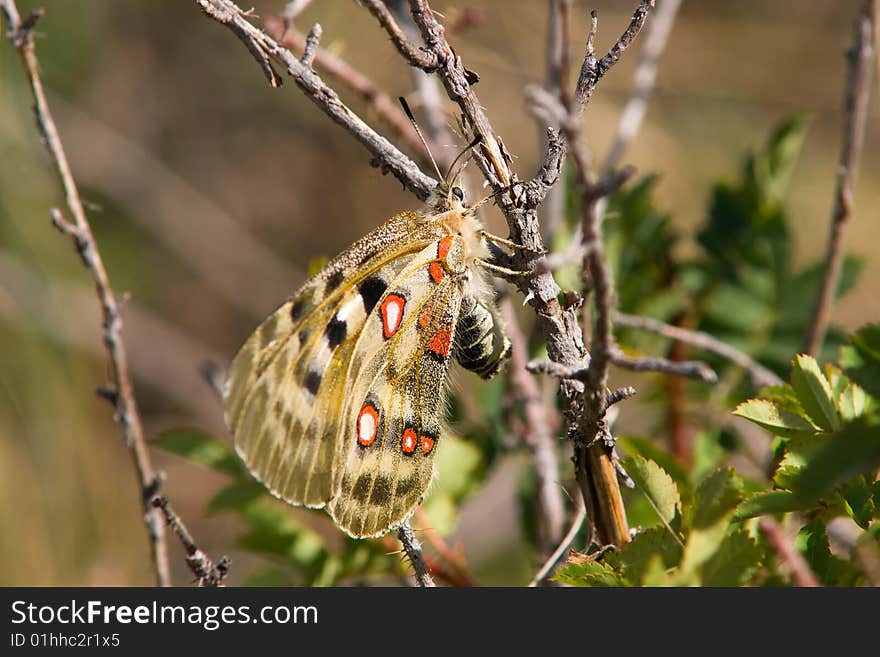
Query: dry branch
[
  {"x": 265, "y": 49},
  {"x": 206, "y": 572},
  {"x": 855, "y": 115},
  {"x": 121, "y": 394},
  {"x": 759, "y": 375},
  {"x": 413, "y": 550},
  {"x": 785, "y": 550}
]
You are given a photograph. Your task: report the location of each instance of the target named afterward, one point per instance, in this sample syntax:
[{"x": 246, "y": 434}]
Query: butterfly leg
[{"x": 504, "y": 272}]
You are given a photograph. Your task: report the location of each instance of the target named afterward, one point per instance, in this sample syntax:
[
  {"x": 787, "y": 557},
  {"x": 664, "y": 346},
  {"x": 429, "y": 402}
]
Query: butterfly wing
[
  {"x": 285, "y": 390},
  {"x": 396, "y": 395}
]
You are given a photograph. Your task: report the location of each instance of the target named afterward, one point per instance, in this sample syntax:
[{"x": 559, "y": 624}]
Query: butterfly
[{"x": 337, "y": 399}]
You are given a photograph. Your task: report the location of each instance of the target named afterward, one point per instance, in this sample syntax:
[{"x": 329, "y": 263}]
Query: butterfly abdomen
[{"x": 481, "y": 344}]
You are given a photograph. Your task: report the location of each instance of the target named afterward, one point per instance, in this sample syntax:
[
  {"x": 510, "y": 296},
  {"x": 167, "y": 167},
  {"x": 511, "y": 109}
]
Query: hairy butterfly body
[{"x": 337, "y": 400}]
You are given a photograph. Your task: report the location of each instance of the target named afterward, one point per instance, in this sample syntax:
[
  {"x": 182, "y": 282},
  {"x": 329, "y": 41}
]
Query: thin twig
[
  {"x": 644, "y": 81},
  {"x": 759, "y": 375},
  {"x": 430, "y": 95},
  {"x": 334, "y": 66},
  {"x": 416, "y": 56},
  {"x": 558, "y": 63},
  {"x": 536, "y": 436},
  {"x": 559, "y": 553},
  {"x": 855, "y": 115},
  {"x": 80, "y": 231},
  {"x": 692, "y": 369},
  {"x": 413, "y": 550},
  {"x": 593, "y": 450},
  {"x": 800, "y": 569},
  {"x": 460, "y": 575},
  {"x": 264, "y": 49},
  {"x": 206, "y": 572}
]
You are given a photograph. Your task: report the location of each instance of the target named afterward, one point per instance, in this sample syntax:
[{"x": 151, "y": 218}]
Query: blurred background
[{"x": 210, "y": 193}]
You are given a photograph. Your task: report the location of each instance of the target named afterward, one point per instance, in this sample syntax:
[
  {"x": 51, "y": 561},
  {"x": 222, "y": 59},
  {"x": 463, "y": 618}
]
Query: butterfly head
[{"x": 447, "y": 196}]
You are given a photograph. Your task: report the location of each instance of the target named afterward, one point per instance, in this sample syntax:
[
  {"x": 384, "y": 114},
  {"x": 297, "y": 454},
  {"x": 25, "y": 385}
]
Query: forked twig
[{"x": 121, "y": 394}]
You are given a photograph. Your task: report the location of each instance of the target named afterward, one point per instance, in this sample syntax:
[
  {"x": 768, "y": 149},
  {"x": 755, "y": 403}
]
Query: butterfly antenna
[
  {"x": 467, "y": 150},
  {"x": 412, "y": 119}
]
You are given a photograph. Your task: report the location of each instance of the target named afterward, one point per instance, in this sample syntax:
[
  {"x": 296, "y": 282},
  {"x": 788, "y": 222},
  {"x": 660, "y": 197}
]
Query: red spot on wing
[
  {"x": 425, "y": 318},
  {"x": 427, "y": 444},
  {"x": 443, "y": 246},
  {"x": 409, "y": 441},
  {"x": 367, "y": 425},
  {"x": 442, "y": 341},
  {"x": 435, "y": 269},
  {"x": 392, "y": 314}
]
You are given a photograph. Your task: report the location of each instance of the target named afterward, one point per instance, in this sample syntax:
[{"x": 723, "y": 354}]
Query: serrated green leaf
[
  {"x": 852, "y": 402},
  {"x": 784, "y": 476},
  {"x": 657, "y": 574},
  {"x": 861, "y": 361},
  {"x": 734, "y": 563},
  {"x": 858, "y": 501},
  {"x": 867, "y": 340},
  {"x": 635, "y": 557},
  {"x": 199, "y": 447},
  {"x": 657, "y": 486},
  {"x": 715, "y": 499},
  {"x": 649, "y": 449},
  {"x": 852, "y": 451},
  {"x": 814, "y": 392},
  {"x": 717, "y": 496},
  {"x": 589, "y": 573},
  {"x": 707, "y": 454},
  {"x": 773, "y": 167},
  {"x": 774, "y": 501},
  {"x": 812, "y": 542},
  {"x": 773, "y": 418}
]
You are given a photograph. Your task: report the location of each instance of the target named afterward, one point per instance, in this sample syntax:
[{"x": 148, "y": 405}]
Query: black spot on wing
[
  {"x": 297, "y": 309},
  {"x": 335, "y": 332},
  {"x": 381, "y": 493},
  {"x": 313, "y": 381},
  {"x": 371, "y": 290},
  {"x": 333, "y": 282},
  {"x": 361, "y": 488}
]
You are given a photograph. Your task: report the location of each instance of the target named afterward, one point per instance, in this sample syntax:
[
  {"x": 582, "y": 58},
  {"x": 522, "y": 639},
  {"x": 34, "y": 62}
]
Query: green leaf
[
  {"x": 773, "y": 418},
  {"x": 858, "y": 501},
  {"x": 812, "y": 542},
  {"x": 861, "y": 361},
  {"x": 735, "y": 562},
  {"x": 635, "y": 557},
  {"x": 854, "y": 450},
  {"x": 200, "y": 447},
  {"x": 717, "y": 495},
  {"x": 774, "y": 501},
  {"x": 852, "y": 402},
  {"x": 589, "y": 573},
  {"x": 814, "y": 392},
  {"x": 714, "y": 502},
  {"x": 657, "y": 486},
  {"x": 867, "y": 341},
  {"x": 707, "y": 453},
  {"x": 650, "y": 450},
  {"x": 238, "y": 496},
  {"x": 774, "y": 166}
]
